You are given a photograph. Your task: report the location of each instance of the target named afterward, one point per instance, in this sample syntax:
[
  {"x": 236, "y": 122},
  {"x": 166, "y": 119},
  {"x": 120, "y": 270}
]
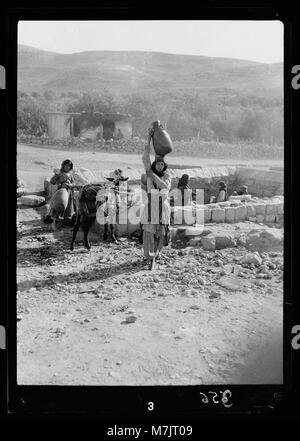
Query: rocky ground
[{"x": 102, "y": 318}]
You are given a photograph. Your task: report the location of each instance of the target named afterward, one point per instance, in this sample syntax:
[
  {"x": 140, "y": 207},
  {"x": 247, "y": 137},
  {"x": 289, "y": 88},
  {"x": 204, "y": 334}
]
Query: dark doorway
[{"x": 108, "y": 129}]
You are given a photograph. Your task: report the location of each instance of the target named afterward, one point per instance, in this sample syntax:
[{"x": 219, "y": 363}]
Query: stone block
[
  {"x": 260, "y": 209},
  {"x": 229, "y": 214},
  {"x": 252, "y": 219},
  {"x": 251, "y": 212},
  {"x": 200, "y": 216},
  {"x": 279, "y": 208},
  {"x": 218, "y": 215},
  {"x": 240, "y": 213},
  {"x": 188, "y": 216},
  {"x": 207, "y": 215},
  {"x": 271, "y": 209},
  {"x": 260, "y": 218},
  {"x": 270, "y": 218},
  {"x": 279, "y": 218}
]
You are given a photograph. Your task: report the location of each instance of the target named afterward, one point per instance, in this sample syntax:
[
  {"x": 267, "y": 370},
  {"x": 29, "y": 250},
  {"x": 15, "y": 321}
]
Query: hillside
[{"x": 128, "y": 72}]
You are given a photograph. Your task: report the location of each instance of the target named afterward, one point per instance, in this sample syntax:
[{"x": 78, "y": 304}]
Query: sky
[{"x": 260, "y": 41}]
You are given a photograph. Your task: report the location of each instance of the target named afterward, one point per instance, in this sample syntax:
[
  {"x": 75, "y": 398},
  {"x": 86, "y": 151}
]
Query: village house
[{"x": 109, "y": 126}]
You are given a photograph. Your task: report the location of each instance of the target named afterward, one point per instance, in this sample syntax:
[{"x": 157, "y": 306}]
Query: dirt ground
[
  {"x": 102, "y": 318},
  {"x": 188, "y": 329}
]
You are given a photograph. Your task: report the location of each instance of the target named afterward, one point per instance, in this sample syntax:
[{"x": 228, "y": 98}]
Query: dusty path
[
  {"x": 72, "y": 309},
  {"x": 35, "y": 163}
]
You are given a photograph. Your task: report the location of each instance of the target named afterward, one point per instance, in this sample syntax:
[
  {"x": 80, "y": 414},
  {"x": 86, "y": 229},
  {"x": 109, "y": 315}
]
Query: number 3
[{"x": 150, "y": 405}]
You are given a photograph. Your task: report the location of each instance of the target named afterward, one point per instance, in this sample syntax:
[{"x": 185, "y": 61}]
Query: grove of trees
[{"x": 224, "y": 115}]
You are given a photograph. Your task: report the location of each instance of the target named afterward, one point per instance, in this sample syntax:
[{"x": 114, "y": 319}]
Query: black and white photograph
[{"x": 150, "y": 202}]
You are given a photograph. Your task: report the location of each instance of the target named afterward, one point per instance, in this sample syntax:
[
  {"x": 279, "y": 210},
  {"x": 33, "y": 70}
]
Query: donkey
[{"x": 92, "y": 196}]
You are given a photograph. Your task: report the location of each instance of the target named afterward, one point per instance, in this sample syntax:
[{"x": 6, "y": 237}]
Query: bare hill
[{"x": 127, "y": 72}]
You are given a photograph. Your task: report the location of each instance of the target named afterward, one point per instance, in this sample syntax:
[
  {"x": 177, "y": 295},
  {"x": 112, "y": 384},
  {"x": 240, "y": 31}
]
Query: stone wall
[
  {"x": 260, "y": 182},
  {"x": 205, "y": 178},
  {"x": 268, "y": 210}
]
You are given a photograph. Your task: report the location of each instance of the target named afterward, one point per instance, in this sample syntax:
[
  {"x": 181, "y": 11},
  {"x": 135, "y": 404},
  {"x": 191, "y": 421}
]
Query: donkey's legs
[
  {"x": 86, "y": 225},
  {"x": 113, "y": 232},
  {"x": 53, "y": 225},
  {"x": 75, "y": 230},
  {"x": 105, "y": 231}
]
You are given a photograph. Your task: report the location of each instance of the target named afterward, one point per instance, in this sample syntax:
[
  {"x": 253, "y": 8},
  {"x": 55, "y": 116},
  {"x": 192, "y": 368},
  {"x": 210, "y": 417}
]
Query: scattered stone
[
  {"x": 260, "y": 284},
  {"x": 236, "y": 270},
  {"x": 208, "y": 242},
  {"x": 241, "y": 241},
  {"x": 19, "y": 317},
  {"x": 130, "y": 319},
  {"x": 114, "y": 375},
  {"x": 32, "y": 200},
  {"x": 195, "y": 241},
  {"x": 230, "y": 282},
  {"x": 225, "y": 241},
  {"x": 263, "y": 268},
  {"x": 201, "y": 280},
  {"x": 251, "y": 258},
  {"x": 214, "y": 294},
  {"x": 268, "y": 239},
  {"x": 195, "y": 307}
]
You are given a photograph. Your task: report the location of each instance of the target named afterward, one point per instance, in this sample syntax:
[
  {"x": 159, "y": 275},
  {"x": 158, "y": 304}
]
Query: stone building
[
  {"x": 116, "y": 126},
  {"x": 109, "y": 126},
  {"x": 60, "y": 124}
]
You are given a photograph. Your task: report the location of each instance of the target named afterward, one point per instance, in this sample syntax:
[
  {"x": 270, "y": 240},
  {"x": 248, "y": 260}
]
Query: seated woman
[
  {"x": 64, "y": 179},
  {"x": 222, "y": 194},
  {"x": 183, "y": 184},
  {"x": 156, "y": 232},
  {"x": 243, "y": 190}
]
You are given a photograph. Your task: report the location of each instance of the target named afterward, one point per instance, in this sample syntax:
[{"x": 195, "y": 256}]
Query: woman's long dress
[{"x": 154, "y": 234}]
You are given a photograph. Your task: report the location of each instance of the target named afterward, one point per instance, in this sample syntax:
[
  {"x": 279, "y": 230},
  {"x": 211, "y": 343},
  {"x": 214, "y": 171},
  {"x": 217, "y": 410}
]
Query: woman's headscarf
[
  {"x": 153, "y": 168},
  {"x": 66, "y": 162},
  {"x": 183, "y": 181}
]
